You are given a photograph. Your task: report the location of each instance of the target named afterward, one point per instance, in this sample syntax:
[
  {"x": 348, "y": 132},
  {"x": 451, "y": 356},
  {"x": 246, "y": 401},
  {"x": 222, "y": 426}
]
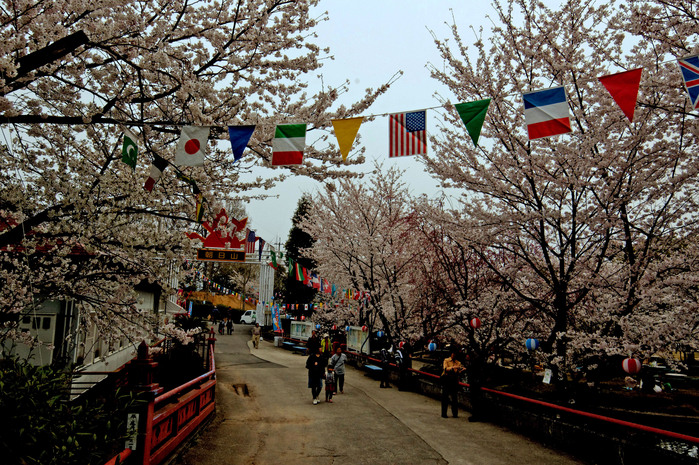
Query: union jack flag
[{"x": 690, "y": 74}]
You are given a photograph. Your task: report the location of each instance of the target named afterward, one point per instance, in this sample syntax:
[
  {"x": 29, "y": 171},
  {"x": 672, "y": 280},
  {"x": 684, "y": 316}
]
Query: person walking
[
  {"x": 326, "y": 347},
  {"x": 313, "y": 343},
  {"x": 385, "y": 368},
  {"x": 229, "y": 326},
  {"x": 316, "y": 373},
  {"x": 402, "y": 356},
  {"x": 221, "y": 325},
  {"x": 451, "y": 371},
  {"x": 256, "y": 331},
  {"x": 338, "y": 363},
  {"x": 330, "y": 384}
]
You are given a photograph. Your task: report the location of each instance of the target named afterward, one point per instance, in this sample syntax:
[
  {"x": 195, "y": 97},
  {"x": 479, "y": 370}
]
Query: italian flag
[{"x": 288, "y": 144}]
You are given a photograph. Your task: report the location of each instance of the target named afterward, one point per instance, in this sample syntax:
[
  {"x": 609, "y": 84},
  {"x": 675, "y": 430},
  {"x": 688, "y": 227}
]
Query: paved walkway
[{"x": 265, "y": 416}]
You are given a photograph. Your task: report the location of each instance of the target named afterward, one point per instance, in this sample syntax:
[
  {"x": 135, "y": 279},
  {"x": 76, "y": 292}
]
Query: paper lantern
[
  {"x": 401, "y": 344},
  {"x": 379, "y": 333},
  {"x": 475, "y": 323},
  {"x": 631, "y": 365},
  {"x": 334, "y": 327},
  {"x": 318, "y": 326},
  {"x": 432, "y": 346},
  {"x": 303, "y": 317},
  {"x": 347, "y": 328},
  {"x": 364, "y": 328},
  {"x": 532, "y": 344}
]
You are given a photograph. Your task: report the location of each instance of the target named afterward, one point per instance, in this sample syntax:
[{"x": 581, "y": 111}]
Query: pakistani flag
[
  {"x": 129, "y": 151},
  {"x": 288, "y": 144}
]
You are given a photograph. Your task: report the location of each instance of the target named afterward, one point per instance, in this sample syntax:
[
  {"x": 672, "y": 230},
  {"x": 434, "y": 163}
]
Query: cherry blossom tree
[
  {"x": 598, "y": 223},
  {"x": 75, "y": 222},
  {"x": 365, "y": 240},
  {"x": 468, "y": 303}
]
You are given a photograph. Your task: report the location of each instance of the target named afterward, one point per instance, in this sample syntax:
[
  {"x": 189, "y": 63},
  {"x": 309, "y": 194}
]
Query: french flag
[{"x": 546, "y": 112}]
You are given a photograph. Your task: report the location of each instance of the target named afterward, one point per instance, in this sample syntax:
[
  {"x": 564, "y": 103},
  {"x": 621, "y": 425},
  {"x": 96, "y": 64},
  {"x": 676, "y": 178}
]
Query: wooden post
[
  {"x": 141, "y": 371},
  {"x": 211, "y": 343}
]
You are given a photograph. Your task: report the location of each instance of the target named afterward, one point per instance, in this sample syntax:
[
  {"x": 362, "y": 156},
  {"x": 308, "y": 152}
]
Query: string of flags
[
  {"x": 546, "y": 114},
  {"x": 323, "y": 285}
]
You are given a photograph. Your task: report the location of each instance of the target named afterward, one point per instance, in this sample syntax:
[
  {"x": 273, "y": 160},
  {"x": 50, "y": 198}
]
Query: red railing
[
  {"x": 582, "y": 413},
  {"x": 169, "y": 418},
  {"x": 174, "y": 422}
]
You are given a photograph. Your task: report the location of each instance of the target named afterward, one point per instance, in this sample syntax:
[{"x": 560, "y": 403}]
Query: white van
[{"x": 249, "y": 317}]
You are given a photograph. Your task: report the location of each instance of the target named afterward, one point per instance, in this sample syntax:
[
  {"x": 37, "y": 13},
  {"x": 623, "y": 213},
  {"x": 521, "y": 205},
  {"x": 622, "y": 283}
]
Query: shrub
[{"x": 40, "y": 425}]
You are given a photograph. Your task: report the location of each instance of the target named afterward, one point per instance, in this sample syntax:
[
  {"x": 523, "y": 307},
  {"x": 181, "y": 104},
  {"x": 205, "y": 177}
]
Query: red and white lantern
[
  {"x": 364, "y": 328},
  {"x": 303, "y": 317},
  {"x": 334, "y": 327},
  {"x": 631, "y": 365},
  {"x": 475, "y": 323},
  {"x": 401, "y": 344}
]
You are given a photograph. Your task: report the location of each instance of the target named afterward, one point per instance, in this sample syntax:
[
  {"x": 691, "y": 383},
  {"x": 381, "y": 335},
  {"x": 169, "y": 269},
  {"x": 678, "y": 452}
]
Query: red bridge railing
[{"x": 166, "y": 419}]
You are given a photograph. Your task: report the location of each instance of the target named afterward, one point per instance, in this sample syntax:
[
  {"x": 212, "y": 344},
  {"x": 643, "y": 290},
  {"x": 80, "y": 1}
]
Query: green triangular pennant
[{"x": 473, "y": 116}]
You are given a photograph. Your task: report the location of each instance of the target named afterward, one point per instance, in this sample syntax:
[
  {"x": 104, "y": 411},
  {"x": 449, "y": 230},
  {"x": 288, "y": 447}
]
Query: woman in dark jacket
[{"x": 315, "y": 364}]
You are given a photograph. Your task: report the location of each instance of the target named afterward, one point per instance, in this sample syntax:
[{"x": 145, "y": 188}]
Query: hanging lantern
[
  {"x": 401, "y": 344},
  {"x": 318, "y": 326},
  {"x": 631, "y": 365},
  {"x": 432, "y": 346},
  {"x": 334, "y": 327},
  {"x": 347, "y": 329},
  {"x": 475, "y": 323},
  {"x": 379, "y": 333},
  {"x": 532, "y": 344},
  {"x": 364, "y": 328},
  {"x": 303, "y": 317}
]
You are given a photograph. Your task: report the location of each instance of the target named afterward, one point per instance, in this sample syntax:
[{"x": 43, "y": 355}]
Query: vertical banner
[{"x": 276, "y": 324}]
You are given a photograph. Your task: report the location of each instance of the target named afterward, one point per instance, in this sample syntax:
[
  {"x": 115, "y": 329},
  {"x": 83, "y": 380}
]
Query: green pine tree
[{"x": 296, "y": 292}]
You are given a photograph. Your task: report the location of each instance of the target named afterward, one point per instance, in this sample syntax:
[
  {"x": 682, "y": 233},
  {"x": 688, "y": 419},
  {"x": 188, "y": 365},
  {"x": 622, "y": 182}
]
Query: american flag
[
  {"x": 407, "y": 134},
  {"x": 250, "y": 241}
]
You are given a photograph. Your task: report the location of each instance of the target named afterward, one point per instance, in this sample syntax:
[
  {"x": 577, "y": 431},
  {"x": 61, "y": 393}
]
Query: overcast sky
[{"x": 370, "y": 41}]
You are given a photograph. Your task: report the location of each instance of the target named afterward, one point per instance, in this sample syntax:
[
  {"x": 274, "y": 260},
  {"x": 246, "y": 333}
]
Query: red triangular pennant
[{"x": 623, "y": 88}]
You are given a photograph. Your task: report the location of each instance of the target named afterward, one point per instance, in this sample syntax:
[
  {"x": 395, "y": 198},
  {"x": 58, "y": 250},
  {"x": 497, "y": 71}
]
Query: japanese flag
[{"x": 192, "y": 146}]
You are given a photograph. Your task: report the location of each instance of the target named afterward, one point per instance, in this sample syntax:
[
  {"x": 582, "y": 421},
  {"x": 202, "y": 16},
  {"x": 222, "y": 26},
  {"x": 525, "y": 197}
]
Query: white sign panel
[{"x": 132, "y": 431}]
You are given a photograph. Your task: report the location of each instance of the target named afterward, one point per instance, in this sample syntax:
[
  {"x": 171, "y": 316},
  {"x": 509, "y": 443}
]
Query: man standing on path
[
  {"x": 256, "y": 331},
  {"x": 451, "y": 371},
  {"x": 313, "y": 343},
  {"x": 315, "y": 364},
  {"x": 338, "y": 362}
]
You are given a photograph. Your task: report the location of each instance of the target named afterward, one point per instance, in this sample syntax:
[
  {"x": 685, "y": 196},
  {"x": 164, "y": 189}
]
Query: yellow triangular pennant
[{"x": 346, "y": 131}]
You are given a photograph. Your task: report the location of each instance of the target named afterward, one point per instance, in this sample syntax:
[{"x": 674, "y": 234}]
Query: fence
[{"x": 165, "y": 419}]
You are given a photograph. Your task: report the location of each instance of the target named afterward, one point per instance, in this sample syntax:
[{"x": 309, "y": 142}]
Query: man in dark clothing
[
  {"x": 313, "y": 343},
  {"x": 403, "y": 361},
  {"x": 315, "y": 364},
  {"x": 385, "y": 368}
]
